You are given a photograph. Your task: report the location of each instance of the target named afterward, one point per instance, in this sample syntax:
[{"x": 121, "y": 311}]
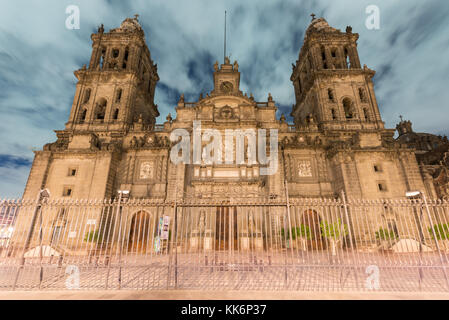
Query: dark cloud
[
  {"x": 383, "y": 71},
  {"x": 427, "y": 20},
  {"x": 199, "y": 71},
  {"x": 167, "y": 93},
  {"x": 10, "y": 161}
]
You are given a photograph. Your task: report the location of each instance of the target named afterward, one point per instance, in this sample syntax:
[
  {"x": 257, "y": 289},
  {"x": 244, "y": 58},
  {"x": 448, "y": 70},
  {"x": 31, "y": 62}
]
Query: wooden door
[
  {"x": 139, "y": 233},
  {"x": 312, "y": 219},
  {"x": 226, "y": 228},
  {"x": 222, "y": 228}
]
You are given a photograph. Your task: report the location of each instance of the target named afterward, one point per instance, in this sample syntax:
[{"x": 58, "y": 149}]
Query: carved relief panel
[
  {"x": 149, "y": 169},
  {"x": 301, "y": 169},
  {"x": 304, "y": 169},
  {"x": 226, "y": 114},
  {"x": 146, "y": 170}
]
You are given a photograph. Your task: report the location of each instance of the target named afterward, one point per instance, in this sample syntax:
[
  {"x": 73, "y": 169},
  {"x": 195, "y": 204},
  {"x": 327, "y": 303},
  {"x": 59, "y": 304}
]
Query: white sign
[
  {"x": 165, "y": 228},
  {"x": 72, "y": 234},
  {"x": 91, "y": 221}
]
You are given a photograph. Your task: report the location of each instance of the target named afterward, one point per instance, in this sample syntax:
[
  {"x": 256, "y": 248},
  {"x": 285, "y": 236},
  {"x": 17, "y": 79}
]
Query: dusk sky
[{"x": 38, "y": 55}]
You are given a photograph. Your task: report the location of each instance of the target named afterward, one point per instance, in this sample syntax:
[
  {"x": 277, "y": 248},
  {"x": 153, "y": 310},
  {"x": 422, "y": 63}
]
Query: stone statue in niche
[
  {"x": 201, "y": 223},
  {"x": 142, "y": 141},
  {"x": 146, "y": 170},
  {"x": 282, "y": 119},
  {"x": 251, "y": 222},
  {"x": 310, "y": 119},
  {"x": 304, "y": 168},
  {"x": 134, "y": 143}
]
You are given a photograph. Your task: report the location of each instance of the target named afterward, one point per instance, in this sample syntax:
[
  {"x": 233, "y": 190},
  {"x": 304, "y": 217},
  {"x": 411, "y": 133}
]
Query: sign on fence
[{"x": 165, "y": 228}]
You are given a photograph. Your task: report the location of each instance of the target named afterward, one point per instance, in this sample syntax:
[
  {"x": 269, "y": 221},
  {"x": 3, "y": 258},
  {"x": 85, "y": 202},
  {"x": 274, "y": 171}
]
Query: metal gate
[{"x": 302, "y": 244}]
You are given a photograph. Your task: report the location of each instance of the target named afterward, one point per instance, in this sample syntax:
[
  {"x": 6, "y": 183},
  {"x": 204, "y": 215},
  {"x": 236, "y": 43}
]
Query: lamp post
[
  {"x": 43, "y": 194},
  {"x": 416, "y": 195},
  {"x": 122, "y": 194},
  {"x": 419, "y": 195}
]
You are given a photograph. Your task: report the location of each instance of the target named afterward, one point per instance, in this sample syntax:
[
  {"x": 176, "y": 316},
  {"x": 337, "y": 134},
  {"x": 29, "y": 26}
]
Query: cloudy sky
[{"x": 38, "y": 55}]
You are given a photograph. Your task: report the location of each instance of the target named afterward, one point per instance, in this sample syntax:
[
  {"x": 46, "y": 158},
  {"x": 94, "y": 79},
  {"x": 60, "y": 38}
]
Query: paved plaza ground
[{"x": 216, "y": 295}]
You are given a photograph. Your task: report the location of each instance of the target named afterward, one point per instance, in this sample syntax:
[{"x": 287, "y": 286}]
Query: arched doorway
[
  {"x": 139, "y": 233},
  {"x": 311, "y": 219}
]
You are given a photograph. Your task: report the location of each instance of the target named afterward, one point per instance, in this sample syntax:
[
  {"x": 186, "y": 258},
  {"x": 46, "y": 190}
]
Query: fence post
[
  {"x": 175, "y": 239},
  {"x": 119, "y": 212},
  {"x": 345, "y": 206},
  {"x": 435, "y": 238},
  {"x": 288, "y": 217},
  {"x": 176, "y": 243}
]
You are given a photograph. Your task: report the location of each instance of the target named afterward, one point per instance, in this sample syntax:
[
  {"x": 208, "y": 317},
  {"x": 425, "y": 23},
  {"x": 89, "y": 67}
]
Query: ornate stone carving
[
  {"x": 304, "y": 168},
  {"x": 59, "y": 145},
  {"x": 150, "y": 140},
  {"x": 236, "y": 66},
  {"x": 146, "y": 170},
  {"x": 227, "y": 113},
  {"x": 95, "y": 143}
]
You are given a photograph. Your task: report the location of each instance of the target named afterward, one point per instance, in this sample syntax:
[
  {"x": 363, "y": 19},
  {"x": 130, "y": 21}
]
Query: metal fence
[{"x": 239, "y": 244}]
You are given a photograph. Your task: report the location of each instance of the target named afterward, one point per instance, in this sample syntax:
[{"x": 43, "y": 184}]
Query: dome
[
  {"x": 129, "y": 25},
  {"x": 320, "y": 25}
]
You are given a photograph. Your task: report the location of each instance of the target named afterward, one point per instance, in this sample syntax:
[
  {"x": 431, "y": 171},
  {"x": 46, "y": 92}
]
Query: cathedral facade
[{"x": 338, "y": 142}]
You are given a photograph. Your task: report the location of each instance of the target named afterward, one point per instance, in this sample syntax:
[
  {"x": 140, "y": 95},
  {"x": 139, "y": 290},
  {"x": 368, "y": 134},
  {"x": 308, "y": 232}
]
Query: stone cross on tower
[
  {"x": 136, "y": 16},
  {"x": 313, "y": 15}
]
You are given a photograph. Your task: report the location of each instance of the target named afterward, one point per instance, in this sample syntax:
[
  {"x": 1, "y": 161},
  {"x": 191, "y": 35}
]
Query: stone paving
[{"x": 235, "y": 272}]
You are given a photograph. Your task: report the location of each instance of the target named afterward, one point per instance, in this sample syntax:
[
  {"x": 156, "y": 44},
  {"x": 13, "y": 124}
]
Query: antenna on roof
[{"x": 225, "y": 38}]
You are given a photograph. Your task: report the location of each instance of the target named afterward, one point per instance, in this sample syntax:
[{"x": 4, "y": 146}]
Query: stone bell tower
[
  {"x": 330, "y": 84},
  {"x": 118, "y": 87},
  {"x": 114, "y": 95},
  {"x": 226, "y": 79}
]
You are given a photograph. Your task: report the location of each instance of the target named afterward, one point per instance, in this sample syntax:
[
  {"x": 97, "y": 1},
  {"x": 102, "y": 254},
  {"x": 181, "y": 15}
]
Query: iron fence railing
[{"x": 238, "y": 244}]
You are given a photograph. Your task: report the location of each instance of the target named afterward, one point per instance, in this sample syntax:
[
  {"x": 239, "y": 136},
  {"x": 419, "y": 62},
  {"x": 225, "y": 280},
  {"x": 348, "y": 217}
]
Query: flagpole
[{"x": 224, "y": 58}]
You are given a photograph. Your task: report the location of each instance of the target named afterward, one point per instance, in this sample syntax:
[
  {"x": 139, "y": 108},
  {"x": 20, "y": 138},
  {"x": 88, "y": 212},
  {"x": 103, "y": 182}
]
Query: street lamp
[
  {"x": 417, "y": 195},
  {"x": 412, "y": 195},
  {"x": 43, "y": 194},
  {"x": 122, "y": 194}
]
